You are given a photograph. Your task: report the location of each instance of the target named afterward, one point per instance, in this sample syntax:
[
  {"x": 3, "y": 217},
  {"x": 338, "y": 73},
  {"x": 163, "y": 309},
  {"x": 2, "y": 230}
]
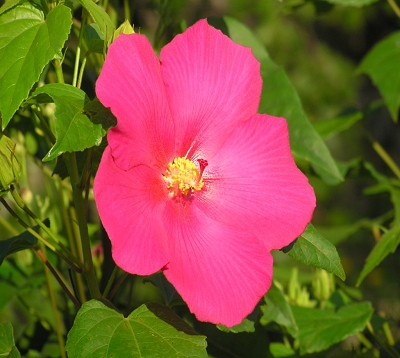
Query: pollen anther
[{"x": 183, "y": 176}]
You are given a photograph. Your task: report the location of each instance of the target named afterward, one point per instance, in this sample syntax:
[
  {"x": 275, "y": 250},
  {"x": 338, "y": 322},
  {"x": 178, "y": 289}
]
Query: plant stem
[
  {"x": 58, "y": 277},
  {"x": 78, "y": 48},
  {"x": 44, "y": 124},
  {"x": 78, "y": 85},
  {"x": 395, "y": 7},
  {"x": 110, "y": 282},
  {"x": 58, "y": 68},
  {"x": 65, "y": 253},
  {"x": 8, "y": 227},
  {"x": 83, "y": 228},
  {"x": 39, "y": 237},
  {"x": 386, "y": 158},
  {"x": 117, "y": 286}
]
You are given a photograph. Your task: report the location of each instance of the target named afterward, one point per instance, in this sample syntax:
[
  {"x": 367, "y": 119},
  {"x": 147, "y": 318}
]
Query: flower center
[{"x": 183, "y": 176}]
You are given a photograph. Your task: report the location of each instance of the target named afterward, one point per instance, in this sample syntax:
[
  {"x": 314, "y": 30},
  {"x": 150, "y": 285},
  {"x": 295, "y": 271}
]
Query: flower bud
[
  {"x": 10, "y": 168},
  {"x": 323, "y": 284}
]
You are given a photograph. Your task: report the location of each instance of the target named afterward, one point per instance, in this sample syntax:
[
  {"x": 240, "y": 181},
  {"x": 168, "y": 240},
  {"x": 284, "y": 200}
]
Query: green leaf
[
  {"x": 124, "y": 28},
  {"x": 278, "y": 310},
  {"x": 100, "y": 17},
  {"x": 381, "y": 63},
  {"x": 28, "y": 42},
  {"x": 385, "y": 185},
  {"x": 246, "y": 325},
  {"x": 280, "y": 350},
  {"x": 356, "y": 3},
  {"x": 385, "y": 246},
  {"x": 279, "y": 98},
  {"x": 152, "y": 330},
  {"x": 8, "y": 5},
  {"x": 312, "y": 249},
  {"x": 75, "y": 131},
  {"x": 320, "y": 329},
  {"x": 9, "y": 164},
  {"x": 94, "y": 38},
  {"x": 7, "y": 345},
  {"x": 331, "y": 127},
  {"x": 21, "y": 242}
]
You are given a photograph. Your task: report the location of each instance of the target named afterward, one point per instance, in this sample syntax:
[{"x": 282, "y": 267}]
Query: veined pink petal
[
  {"x": 253, "y": 183},
  {"x": 212, "y": 84},
  {"x": 130, "y": 207},
  {"x": 130, "y": 84},
  {"x": 220, "y": 272}
]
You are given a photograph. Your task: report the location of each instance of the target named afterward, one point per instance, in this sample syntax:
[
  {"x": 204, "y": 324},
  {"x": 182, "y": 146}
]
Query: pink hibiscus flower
[{"x": 194, "y": 182}]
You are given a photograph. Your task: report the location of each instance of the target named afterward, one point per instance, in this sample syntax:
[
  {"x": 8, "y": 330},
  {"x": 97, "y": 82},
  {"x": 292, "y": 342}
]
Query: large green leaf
[
  {"x": 387, "y": 244},
  {"x": 75, "y": 131},
  {"x": 7, "y": 345},
  {"x": 100, "y": 17},
  {"x": 382, "y": 65},
  {"x": 312, "y": 249},
  {"x": 27, "y": 43},
  {"x": 279, "y": 98},
  {"x": 320, "y": 329},
  {"x": 152, "y": 330}
]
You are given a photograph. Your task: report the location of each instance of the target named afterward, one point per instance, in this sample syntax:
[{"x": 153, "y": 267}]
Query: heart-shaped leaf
[{"x": 152, "y": 330}]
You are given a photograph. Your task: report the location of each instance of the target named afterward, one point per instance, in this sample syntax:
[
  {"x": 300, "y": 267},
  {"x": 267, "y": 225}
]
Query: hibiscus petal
[
  {"x": 220, "y": 272},
  {"x": 130, "y": 84},
  {"x": 129, "y": 204},
  {"x": 212, "y": 84},
  {"x": 253, "y": 183}
]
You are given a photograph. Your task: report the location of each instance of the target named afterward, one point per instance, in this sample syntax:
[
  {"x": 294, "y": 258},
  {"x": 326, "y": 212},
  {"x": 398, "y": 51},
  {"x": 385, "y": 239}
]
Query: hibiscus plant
[{"x": 159, "y": 187}]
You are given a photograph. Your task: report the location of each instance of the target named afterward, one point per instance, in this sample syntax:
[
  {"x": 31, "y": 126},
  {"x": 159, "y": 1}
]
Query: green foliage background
[{"x": 330, "y": 67}]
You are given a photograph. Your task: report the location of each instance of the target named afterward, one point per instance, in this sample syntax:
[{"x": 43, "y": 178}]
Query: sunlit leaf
[
  {"x": 152, "y": 330},
  {"x": 279, "y": 98},
  {"x": 27, "y": 43},
  {"x": 381, "y": 64},
  {"x": 75, "y": 131},
  {"x": 312, "y": 249},
  {"x": 320, "y": 329},
  {"x": 7, "y": 345}
]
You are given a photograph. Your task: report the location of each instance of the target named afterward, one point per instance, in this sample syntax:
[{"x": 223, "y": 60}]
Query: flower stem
[
  {"x": 58, "y": 277},
  {"x": 110, "y": 282},
  {"x": 78, "y": 48},
  {"x": 88, "y": 271},
  {"x": 58, "y": 68},
  {"x": 45, "y": 126},
  {"x": 40, "y": 237},
  {"x": 386, "y": 158},
  {"x": 71, "y": 258},
  {"x": 394, "y": 7}
]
